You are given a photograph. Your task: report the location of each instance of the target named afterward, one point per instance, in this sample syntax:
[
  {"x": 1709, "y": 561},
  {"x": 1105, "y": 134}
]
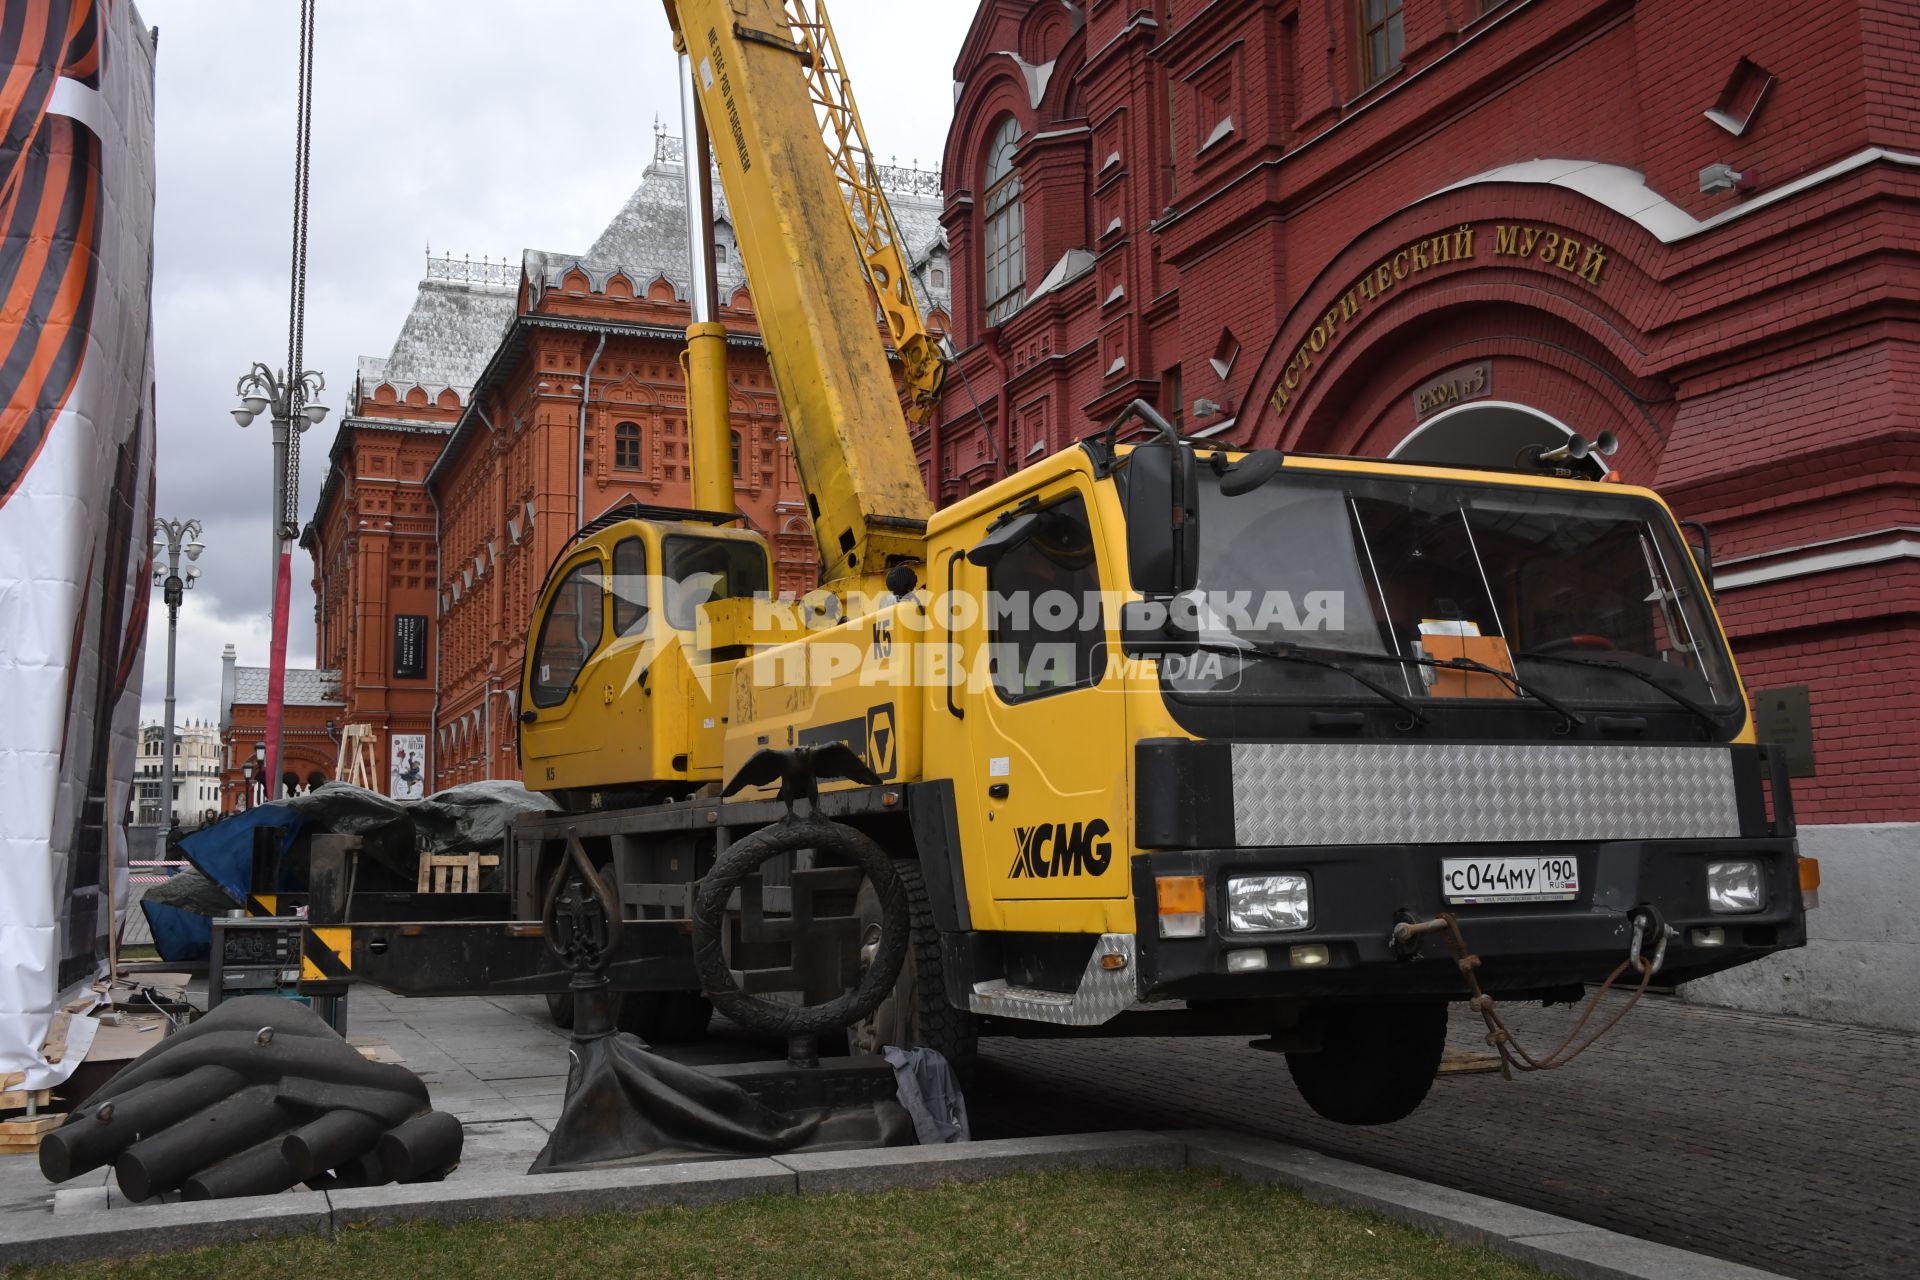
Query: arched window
[
  {"x": 1006, "y": 230},
  {"x": 736, "y": 453},
  {"x": 626, "y": 446}
]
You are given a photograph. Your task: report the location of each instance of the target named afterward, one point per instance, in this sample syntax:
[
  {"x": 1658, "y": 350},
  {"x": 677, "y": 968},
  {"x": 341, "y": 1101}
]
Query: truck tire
[
  {"x": 1377, "y": 1064},
  {"x": 560, "y": 1008},
  {"x": 744, "y": 857},
  {"x": 916, "y": 1013}
]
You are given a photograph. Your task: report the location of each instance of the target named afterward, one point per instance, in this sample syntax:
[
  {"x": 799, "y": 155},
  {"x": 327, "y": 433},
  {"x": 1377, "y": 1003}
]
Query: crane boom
[
  {"x": 875, "y": 234},
  {"x": 849, "y": 435}
]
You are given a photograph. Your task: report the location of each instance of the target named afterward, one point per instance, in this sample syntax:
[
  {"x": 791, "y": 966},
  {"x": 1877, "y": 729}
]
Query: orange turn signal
[
  {"x": 1182, "y": 895},
  {"x": 1183, "y": 905},
  {"x": 1809, "y": 883}
]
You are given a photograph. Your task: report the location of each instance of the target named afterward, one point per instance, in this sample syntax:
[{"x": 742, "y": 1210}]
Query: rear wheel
[
  {"x": 1377, "y": 1064},
  {"x": 560, "y": 1008},
  {"x": 916, "y": 1013}
]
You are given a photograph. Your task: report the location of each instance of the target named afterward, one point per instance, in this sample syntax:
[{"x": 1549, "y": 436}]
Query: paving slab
[
  {"x": 882, "y": 1168},
  {"x": 515, "y": 1196},
  {"x": 22, "y": 1188}
]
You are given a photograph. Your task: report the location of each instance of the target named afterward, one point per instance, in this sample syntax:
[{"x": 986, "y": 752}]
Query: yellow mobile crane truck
[{"x": 1159, "y": 738}]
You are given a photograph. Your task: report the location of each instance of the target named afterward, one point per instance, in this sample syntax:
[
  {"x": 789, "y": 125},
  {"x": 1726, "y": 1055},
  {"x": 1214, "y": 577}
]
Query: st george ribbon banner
[{"x": 76, "y": 493}]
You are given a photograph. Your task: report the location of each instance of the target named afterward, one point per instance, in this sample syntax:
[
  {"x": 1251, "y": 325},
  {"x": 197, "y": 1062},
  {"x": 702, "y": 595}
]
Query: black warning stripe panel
[{"x": 316, "y": 952}]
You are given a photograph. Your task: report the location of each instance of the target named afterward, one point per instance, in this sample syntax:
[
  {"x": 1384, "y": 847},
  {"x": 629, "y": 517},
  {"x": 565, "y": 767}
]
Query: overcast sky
[{"x": 484, "y": 127}]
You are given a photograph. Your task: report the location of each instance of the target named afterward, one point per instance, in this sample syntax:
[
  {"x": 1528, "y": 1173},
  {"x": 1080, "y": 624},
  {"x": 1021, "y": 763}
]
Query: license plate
[{"x": 1468, "y": 880}]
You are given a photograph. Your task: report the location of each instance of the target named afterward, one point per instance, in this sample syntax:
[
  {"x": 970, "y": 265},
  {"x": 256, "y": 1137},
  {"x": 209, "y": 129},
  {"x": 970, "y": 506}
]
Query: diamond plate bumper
[{"x": 1314, "y": 793}]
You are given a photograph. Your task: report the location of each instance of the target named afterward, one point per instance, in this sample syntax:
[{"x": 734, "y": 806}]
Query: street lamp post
[
  {"x": 289, "y": 404},
  {"x": 172, "y": 537}
]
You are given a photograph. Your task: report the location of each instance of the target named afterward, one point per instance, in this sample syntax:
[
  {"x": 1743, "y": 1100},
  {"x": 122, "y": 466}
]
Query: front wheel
[
  {"x": 916, "y": 1012},
  {"x": 1377, "y": 1063}
]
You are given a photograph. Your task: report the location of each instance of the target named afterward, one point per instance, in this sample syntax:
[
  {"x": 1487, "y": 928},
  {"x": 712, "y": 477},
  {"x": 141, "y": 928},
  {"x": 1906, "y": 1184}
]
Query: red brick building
[
  {"x": 1442, "y": 228},
  {"x": 517, "y": 402},
  {"x": 314, "y": 711}
]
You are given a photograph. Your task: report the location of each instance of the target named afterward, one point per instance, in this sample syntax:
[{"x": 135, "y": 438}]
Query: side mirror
[
  {"x": 1163, "y": 524},
  {"x": 1250, "y": 472},
  {"x": 1003, "y": 538}
]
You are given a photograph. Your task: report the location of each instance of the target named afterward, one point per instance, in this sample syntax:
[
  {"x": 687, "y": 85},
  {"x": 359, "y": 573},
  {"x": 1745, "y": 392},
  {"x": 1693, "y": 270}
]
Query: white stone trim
[
  {"x": 1851, "y": 557},
  {"x": 1626, "y": 192}
]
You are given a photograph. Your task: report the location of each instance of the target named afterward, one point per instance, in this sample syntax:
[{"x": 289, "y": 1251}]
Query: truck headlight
[
  {"x": 1269, "y": 904},
  {"x": 1735, "y": 888}
]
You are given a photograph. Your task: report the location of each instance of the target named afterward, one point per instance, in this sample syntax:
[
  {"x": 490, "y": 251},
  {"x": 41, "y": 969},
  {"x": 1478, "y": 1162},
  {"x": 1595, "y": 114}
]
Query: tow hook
[
  {"x": 1647, "y": 922},
  {"x": 1407, "y": 932}
]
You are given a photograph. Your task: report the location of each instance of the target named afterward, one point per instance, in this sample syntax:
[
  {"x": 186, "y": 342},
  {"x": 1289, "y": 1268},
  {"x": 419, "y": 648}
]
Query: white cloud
[{"x": 483, "y": 128}]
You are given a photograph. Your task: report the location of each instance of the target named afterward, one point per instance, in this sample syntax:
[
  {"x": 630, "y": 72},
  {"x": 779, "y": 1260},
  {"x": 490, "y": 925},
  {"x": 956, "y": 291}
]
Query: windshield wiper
[
  {"x": 1507, "y": 678},
  {"x": 1706, "y": 717},
  {"x": 1294, "y": 655}
]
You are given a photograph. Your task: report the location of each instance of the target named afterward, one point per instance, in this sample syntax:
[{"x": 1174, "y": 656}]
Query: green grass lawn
[{"x": 1093, "y": 1223}]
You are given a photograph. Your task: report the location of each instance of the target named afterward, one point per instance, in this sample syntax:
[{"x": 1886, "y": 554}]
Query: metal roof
[
  {"x": 446, "y": 338},
  {"x": 304, "y": 687},
  {"x": 647, "y": 238}
]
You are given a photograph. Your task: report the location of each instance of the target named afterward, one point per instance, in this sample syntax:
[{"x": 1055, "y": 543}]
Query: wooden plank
[
  {"x": 1466, "y": 1062},
  {"x": 17, "y": 1099},
  {"x": 22, "y": 1137},
  {"x": 55, "y": 1047}
]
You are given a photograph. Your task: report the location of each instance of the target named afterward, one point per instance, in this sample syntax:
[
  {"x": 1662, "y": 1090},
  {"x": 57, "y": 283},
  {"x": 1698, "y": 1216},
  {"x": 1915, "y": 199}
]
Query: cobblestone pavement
[{"x": 1784, "y": 1144}]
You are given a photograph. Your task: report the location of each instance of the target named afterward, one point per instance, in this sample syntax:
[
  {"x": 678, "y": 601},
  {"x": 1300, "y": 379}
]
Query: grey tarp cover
[
  {"x": 194, "y": 891},
  {"x": 472, "y": 817}
]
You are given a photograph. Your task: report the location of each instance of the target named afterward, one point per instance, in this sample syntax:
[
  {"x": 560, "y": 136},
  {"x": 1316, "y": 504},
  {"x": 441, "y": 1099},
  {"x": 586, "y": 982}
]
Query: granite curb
[{"x": 1562, "y": 1246}]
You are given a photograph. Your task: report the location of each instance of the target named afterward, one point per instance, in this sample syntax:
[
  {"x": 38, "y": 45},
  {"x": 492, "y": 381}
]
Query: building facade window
[
  {"x": 626, "y": 446},
  {"x": 1381, "y": 39},
  {"x": 1006, "y": 233},
  {"x": 736, "y": 454}
]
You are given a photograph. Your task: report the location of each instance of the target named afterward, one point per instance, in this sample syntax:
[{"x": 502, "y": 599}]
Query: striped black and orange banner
[{"x": 49, "y": 221}]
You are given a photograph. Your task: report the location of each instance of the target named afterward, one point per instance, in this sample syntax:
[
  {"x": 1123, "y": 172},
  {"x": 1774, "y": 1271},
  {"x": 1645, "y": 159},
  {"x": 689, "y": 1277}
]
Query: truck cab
[{"x": 617, "y": 697}]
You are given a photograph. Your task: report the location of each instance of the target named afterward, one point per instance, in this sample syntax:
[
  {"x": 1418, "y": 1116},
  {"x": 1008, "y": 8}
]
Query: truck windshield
[{"x": 1586, "y": 596}]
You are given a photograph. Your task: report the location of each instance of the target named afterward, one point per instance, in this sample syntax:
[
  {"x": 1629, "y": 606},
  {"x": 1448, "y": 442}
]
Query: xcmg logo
[{"x": 1056, "y": 849}]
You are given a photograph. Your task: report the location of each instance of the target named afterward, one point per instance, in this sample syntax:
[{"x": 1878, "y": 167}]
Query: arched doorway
[{"x": 1486, "y": 433}]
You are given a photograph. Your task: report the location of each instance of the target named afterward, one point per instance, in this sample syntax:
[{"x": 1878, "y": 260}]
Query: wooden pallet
[
  {"x": 21, "y": 1135},
  {"x": 454, "y": 872},
  {"x": 21, "y": 1099}
]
